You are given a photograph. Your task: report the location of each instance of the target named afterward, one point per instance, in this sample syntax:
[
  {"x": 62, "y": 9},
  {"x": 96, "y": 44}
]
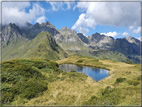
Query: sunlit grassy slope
[
  {"x": 122, "y": 87},
  {"x": 42, "y": 46}
]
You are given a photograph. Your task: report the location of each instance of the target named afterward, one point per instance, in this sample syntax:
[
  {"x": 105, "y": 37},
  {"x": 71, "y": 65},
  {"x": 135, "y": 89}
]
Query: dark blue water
[{"x": 95, "y": 73}]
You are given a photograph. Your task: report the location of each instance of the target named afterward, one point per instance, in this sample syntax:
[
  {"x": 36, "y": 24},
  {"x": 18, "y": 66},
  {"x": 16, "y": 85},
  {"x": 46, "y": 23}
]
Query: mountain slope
[
  {"x": 12, "y": 41},
  {"x": 10, "y": 34},
  {"x": 31, "y": 31},
  {"x": 83, "y": 38},
  {"x": 101, "y": 41},
  {"x": 16, "y": 41},
  {"x": 69, "y": 40},
  {"x": 130, "y": 47},
  {"x": 42, "y": 46}
]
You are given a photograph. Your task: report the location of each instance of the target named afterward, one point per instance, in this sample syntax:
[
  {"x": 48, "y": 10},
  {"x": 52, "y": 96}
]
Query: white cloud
[
  {"x": 131, "y": 27},
  {"x": 125, "y": 33},
  {"x": 61, "y": 5},
  {"x": 83, "y": 23},
  {"x": 18, "y": 5},
  {"x": 138, "y": 30},
  {"x": 109, "y": 13},
  {"x": 113, "y": 34},
  {"x": 83, "y": 30},
  {"x": 17, "y": 14},
  {"x": 56, "y": 5},
  {"x": 41, "y": 19}
]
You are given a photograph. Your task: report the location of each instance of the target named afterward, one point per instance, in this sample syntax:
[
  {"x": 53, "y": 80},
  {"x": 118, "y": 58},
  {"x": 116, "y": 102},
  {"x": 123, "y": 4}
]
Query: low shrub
[
  {"x": 80, "y": 61},
  {"x": 133, "y": 82},
  {"x": 139, "y": 77},
  {"x": 108, "y": 96},
  {"x": 73, "y": 71},
  {"x": 119, "y": 80}
]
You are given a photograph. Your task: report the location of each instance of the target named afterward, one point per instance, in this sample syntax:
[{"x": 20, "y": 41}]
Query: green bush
[
  {"x": 22, "y": 78},
  {"x": 133, "y": 82},
  {"x": 32, "y": 88},
  {"x": 107, "y": 90},
  {"x": 108, "y": 96},
  {"x": 73, "y": 71},
  {"x": 80, "y": 61},
  {"x": 119, "y": 80},
  {"x": 139, "y": 77}
]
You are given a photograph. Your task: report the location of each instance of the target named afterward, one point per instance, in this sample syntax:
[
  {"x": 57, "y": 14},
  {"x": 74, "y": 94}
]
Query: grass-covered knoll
[
  {"x": 111, "y": 55},
  {"x": 24, "y": 79}
]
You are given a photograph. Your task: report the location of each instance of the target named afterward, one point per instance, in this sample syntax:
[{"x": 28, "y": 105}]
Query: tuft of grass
[
  {"x": 133, "y": 82},
  {"x": 79, "y": 61},
  {"x": 108, "y": 96},
  {"x": 119, "y": 80}
]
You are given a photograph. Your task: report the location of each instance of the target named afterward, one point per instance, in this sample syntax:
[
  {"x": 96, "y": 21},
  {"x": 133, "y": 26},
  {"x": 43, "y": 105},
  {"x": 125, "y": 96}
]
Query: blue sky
[{"x": 116, "y": 19}]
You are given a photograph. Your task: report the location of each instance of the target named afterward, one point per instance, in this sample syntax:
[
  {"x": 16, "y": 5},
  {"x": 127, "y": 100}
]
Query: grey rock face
[
  {"x": 127, "y": 46},
  {"x": 31, "y": 31},
  {"x": 69, "y": 40},
  {"x": 83, "y": 38},
  {"x": 101, "y": 41},
  {"x": 9, "y": 33},
  {"x": 131, "y": 39}
]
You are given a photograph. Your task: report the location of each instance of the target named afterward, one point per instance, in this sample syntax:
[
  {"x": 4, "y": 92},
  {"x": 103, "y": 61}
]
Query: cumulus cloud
[
  {"x": 41, "y": 19},
  {"x": 16, "y": 12},
  {"x": 125, "y": 33},
  {"x": 138, "y": 30},
  {"x": 112, "y": 34},
  {"x": 61, "y": 5},
  {"x": 131, "y": 27},
  {"x": 109, "y": 13},
  {"x": 83, "y": 23}
]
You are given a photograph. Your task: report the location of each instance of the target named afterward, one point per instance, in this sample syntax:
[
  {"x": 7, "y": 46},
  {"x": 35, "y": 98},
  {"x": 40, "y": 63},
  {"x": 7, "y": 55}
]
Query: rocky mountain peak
[
  {"x": 28, "y": 24},
  {"x": 131, "y": 39},
  {"x": 83, "y": 38},
  {"x": 37, "y": 25},
  {"x": 9, "y": 33},
  {"x": 48, "y": 23},
  {"x": 12, "y": 26},
  {"x": 65, "y": 29}
]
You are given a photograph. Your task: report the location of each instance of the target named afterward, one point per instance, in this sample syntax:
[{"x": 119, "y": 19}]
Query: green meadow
[{"x": 40, "y": 82}]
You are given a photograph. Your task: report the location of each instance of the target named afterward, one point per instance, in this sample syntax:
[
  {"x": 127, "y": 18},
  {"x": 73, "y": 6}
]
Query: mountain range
[{"x": 46, "y": 41}]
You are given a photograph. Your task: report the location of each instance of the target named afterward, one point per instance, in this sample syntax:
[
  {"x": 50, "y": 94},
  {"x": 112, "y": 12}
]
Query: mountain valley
[{"x": 15, "y": 38}]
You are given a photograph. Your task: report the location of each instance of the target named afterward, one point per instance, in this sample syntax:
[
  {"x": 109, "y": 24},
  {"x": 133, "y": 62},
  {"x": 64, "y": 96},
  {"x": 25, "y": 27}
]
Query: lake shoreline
[{"x": 96, "y": 74}]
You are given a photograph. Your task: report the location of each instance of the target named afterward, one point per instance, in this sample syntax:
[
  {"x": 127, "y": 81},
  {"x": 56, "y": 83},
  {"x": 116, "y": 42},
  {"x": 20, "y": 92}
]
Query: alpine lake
[{"x": 95, "y": 73}]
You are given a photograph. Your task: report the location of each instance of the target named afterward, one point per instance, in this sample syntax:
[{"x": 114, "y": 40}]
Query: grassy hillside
[
  {"x": 24, "y": 79},
  {"x": 122, "y": 87},
  {"x": 14, "y": 49},
  {"x": 111, "y": 55},
  {"x": 42, "y": 46}
]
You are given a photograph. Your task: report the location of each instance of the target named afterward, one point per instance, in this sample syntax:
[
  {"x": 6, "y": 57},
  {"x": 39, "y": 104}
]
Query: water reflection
[{"x": 95, "y": 73}]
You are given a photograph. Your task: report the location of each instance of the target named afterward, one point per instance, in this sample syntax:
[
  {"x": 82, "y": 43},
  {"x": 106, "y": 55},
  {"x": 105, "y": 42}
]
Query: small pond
[{"x": 95, "y": 73}]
